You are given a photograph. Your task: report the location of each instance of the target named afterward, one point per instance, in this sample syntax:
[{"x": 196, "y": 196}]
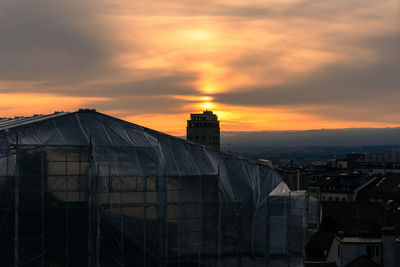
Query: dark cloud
[
  {"x": 172, "y": 84},
  {"x": 372, "y": 84},
  {"x": 135, "y": 105},
  {"x": 177, "y": 84},
  {"x": 50, "y": 41}
]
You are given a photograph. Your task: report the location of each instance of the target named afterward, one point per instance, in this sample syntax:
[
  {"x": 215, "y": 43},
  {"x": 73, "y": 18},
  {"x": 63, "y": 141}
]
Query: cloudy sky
[{"x": 260, "y": 65}]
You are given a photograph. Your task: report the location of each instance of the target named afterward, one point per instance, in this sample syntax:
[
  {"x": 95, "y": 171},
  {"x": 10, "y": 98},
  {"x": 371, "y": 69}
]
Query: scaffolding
[{"x": 86, "y": 189}]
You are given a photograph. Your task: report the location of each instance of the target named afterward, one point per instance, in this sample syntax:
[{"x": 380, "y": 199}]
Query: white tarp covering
[
  {"x": 158, "y": 199},
  {"x": 290, "y": 212}
]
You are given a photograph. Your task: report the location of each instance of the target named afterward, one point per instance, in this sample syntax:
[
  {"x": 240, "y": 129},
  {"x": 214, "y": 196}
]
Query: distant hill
[
  {"x": 323, "y": 137},
  {"x": 306, "y": 146}
]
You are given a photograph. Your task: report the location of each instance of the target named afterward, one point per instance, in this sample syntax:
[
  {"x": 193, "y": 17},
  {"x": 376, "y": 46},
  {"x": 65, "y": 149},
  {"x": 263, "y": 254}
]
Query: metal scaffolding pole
[
  {"x": 42, "y": 205},
  {"x": 121, "y": 217},
  {"x": 90, "y": 209},
  {"x": 219, "y": 237},
  {"x": 144, "y": 222},
  {"x": 179, "y": 222},
  {"x": 201, "y": 245},
  {"x": 67, "y": 210},
  {"x": 16, "y": 206},
  {"x": 79, "y": 174},
  {"x": 288, "y": 229},
  {"x": 237, "y": 237},
  {"x": 267, "y": 251},
  {"x": 162, "y": 219},
  {"x": 252, "y": 230},
  {"x": 165, "y": 218},
  {"x": 98, "y": 219},
  {"x": 307, "y": 201}
]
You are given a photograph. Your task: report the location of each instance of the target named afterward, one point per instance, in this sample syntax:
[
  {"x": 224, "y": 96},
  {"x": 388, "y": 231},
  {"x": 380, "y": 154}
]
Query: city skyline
[{"x": 281, "y": 65}]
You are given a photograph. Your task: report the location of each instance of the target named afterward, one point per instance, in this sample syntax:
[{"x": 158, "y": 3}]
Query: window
[{"x": 372, "y": 251}]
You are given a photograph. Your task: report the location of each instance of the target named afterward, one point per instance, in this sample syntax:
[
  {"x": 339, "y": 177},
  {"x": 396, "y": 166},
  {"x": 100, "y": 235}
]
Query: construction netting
[{"x": 86, "y": 189}]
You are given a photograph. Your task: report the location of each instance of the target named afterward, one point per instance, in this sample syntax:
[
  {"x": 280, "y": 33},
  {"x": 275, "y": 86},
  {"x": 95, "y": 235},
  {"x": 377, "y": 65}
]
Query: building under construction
[{"x": 87, "y": 189}]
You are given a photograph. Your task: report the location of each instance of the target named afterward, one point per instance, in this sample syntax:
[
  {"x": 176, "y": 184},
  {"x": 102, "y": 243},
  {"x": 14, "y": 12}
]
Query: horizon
[{"x": 222, "y": 131}]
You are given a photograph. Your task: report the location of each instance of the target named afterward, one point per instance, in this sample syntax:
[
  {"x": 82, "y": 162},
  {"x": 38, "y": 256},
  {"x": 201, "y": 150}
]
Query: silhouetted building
[
  {"x": 331, "y": 187},
  {"x": 356, "y": 232},
  {"x": 84, "y": 188},
  {"x": 381, "y": 189},
  {"x": 204, "y": 129},
  {"x": 375, "y": 163}
]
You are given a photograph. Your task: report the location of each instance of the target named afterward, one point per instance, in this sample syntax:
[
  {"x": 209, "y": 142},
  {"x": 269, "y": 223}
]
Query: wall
[{"x": 351, "y": 251}]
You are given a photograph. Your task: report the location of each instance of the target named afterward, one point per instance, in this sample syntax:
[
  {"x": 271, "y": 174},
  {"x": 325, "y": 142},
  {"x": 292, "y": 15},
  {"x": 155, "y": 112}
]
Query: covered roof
[
  {"x": 124, "y": 148},
  {"x": 7, "y": 123}
]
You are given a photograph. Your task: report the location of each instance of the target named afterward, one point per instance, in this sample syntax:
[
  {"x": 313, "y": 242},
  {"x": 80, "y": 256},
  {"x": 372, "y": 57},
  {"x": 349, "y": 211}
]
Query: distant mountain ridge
[{"x": 323, "y": 137}]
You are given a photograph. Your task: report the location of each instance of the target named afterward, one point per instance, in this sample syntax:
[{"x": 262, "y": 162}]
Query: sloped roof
[
  {"x": 130, "y": 147},
  {"x": 362, "y": 261},
  {"x": 386, "y": 187},
  {"x": 321, "y": 240},
  {"x": 353, "y": 218},
  {"x": 7, "y": 123}
]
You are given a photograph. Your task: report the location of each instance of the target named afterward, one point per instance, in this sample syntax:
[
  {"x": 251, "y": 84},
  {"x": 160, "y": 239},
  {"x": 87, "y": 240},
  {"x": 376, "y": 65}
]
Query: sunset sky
[{"x": 260, "y": 65}]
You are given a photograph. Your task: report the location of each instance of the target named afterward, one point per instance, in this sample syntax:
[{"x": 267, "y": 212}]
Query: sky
[{"x": 259, "y": 65}]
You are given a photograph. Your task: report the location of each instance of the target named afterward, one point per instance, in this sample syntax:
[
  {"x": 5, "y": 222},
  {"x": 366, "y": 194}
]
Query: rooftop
[
  {"x": 360, "y": 219},
  {"x": 6, "y": 123},
  {"x": 387, "y": 186}
]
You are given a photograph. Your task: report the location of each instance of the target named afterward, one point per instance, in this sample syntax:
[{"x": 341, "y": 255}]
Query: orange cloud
[
  {"x": 26, "y": 104},
  {"x": 207, "y": 47}
]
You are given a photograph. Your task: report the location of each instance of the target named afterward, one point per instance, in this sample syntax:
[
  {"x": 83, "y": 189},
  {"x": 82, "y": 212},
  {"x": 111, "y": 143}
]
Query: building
[
  {"x": 203, "y": 128},
  {"x": 381, "y": 189},
  {"x": 353, "y": 232},
  {"x": 374, "y": 251},
  {"x": 375, "y": 163},
  {"x": 336, "y": 187},
  {"x": 87, "y": 189}
]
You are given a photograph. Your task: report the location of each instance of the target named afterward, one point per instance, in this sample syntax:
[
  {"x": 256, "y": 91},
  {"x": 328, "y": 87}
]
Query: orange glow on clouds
[
  {"x": 242, "y": 118},
  {"x": 24, "y": 104},
  {"x": 209, "y": 48}
]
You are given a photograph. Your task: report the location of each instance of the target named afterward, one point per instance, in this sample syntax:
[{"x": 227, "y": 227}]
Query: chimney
[
  {"x": 340, "y": 234},
  {"x": 389, "y": 246}
]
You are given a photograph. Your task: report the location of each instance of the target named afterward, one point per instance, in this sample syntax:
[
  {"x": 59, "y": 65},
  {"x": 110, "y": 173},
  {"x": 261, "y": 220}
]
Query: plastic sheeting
[{"x": 86, "y": 188}]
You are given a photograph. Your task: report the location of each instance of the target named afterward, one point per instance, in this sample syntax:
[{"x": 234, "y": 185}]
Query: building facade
[
  {"x": 375, "y": 163},
  {"x": 383, "y": 251},
  {"x": 335, "y": 187},
  {"x": 203, "y": 128}
]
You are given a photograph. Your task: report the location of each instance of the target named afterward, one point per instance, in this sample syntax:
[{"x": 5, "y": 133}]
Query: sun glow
[
  {"x": 207, "y": 105},
  {"x": 199, "y": 35}
]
